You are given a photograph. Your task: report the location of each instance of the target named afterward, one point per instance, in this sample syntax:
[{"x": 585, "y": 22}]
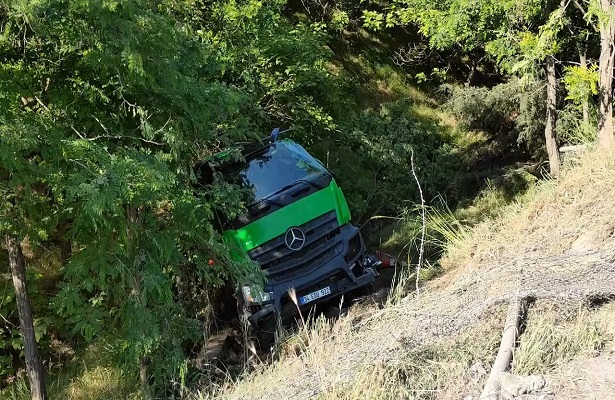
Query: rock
[
  {"x": 582, "y": 244},
  {"x": 218, "y": 347},
  {"x": 515, "y": 385},
  {"x": 477, "y": 371}
]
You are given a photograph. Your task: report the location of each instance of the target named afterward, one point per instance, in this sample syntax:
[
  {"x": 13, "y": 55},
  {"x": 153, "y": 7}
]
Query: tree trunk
[
  {"x": 551, "y": 117},
  {"x": 144, "y": 377},
  {"x": 583, "y": 62},
  {"x": 34, "y": 365},
  {"x": 132, "y": 232},
  {"x": 605, "y": 83}
]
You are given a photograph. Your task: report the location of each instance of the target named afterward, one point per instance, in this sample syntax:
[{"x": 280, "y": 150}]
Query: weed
[{"x": 550, "y": 340}]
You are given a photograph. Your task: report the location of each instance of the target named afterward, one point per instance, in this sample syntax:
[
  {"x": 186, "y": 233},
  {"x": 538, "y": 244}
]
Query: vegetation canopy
[{"x": 106, "y": 106}]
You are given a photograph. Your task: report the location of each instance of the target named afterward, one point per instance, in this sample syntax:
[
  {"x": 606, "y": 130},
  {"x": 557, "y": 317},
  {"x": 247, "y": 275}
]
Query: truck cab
[{"x": 297, "y": 228}]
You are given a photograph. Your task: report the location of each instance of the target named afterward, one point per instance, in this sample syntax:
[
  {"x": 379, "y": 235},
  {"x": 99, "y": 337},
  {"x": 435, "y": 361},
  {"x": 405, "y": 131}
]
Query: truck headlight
[
  {"x": 253, "y": 295},
  {"x": 354, "y": 247}
]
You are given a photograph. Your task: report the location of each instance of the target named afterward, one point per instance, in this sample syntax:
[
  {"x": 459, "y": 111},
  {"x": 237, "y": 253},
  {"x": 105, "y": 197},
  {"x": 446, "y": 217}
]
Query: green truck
[{"x": 297, "y": 228}]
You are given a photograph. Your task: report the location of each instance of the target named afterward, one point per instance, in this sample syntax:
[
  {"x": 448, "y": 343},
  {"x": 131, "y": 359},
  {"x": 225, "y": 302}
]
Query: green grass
[{"x": 91, "y": 375}]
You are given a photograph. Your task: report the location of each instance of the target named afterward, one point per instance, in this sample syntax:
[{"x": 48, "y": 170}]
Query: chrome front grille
[{"x": 281, "y": 263}]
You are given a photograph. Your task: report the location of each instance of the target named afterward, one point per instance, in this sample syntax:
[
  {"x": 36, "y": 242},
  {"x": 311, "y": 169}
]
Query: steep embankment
[{"x": 557, "y": 248}]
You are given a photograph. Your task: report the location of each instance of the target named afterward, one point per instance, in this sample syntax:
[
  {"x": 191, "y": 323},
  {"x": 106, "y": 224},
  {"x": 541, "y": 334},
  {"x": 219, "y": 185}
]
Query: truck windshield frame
[{"x": 273, "y": 170}]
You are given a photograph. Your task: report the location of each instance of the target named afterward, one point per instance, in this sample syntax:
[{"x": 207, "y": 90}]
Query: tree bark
[
  {"x": 132, "y": 233},
  {"x": 551, "y": 117},
  {"x": 34, "y": 364},
  {"x": 605, "y": 82},
  {"x": 583, "y": 62}
]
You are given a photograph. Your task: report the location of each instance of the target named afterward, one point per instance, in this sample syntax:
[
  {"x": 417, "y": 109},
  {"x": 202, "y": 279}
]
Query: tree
[
  {"x": 34, "y": 364},
  {"x": 506, "y": 31},
  {"x": 602, "y": 12},
  {"x": 104, "y": 107},
  {"x": 545, "y": 48},
  {"x": 606, "y": 23},
  {"x": 24, "y": 213},
  {"x": 551, "y": 142},
  {"x": 585, "y": 101}
]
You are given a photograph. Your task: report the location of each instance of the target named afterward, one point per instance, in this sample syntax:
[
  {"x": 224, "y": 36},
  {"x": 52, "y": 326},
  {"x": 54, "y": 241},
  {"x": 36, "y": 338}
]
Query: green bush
[
  {"x": 571, "y": 129},
  {"x": 506, "y": 112},
  {"x": 373, "y": 159},
  {"x": 492, "y": 110}
]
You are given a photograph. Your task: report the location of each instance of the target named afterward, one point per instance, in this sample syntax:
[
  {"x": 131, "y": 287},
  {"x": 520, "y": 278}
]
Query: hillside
[
  {"x": 556, "y": 248},
  {"x": 121, "y": 261}
]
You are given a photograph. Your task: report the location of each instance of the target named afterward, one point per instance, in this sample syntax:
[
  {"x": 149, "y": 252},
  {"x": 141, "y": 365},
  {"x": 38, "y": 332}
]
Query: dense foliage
[
  {"x": 98, "y": 136},
  {"x": 105, "y": 106}
]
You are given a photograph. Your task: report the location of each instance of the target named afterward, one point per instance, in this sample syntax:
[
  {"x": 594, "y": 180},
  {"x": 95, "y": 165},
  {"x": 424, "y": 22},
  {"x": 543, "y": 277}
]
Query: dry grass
[
  {"x": 558, "y": 242},
  {"x": 574, "y": 347},
  {"x": 554, "y": 337},
  {"x": 605, "y": 319},
  {"x": 443, "y": 371},
  {"x": 420, "y": 374},
  {"x": 440, "y": 370},
  {"x": 551, "y": 216}
]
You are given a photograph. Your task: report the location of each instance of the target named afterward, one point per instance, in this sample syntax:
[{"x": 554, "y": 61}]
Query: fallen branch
[{"x": 505, "y": 352}]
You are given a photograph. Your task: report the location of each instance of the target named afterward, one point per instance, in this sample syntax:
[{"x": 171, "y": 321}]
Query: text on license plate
[{"x": 315, "y": 295}]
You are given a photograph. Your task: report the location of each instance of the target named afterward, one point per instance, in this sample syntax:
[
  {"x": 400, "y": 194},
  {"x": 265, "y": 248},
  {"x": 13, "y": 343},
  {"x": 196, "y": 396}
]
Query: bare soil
[{"x": 592, "y": 378}]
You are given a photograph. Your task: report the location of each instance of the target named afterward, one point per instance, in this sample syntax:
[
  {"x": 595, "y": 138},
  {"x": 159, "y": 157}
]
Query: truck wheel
[
  {"x": 334, "y": 312},
  {"x": 265, "y": 334}
]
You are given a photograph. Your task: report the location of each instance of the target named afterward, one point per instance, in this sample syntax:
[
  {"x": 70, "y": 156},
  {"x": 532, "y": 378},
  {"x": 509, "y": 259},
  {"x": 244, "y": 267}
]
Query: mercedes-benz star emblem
[{"x": 295, "y": 239}]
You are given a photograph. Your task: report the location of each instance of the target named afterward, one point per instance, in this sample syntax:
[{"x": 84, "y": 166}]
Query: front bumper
[{"x": 343, "y": 273}]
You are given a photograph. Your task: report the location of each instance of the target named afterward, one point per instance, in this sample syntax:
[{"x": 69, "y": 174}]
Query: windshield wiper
[
  {"x": 290, "y": 185},
  {"x": 260, "y": 207}
]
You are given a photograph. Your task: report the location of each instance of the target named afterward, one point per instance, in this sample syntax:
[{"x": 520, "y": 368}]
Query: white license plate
[{"x": 315, "y": 295}]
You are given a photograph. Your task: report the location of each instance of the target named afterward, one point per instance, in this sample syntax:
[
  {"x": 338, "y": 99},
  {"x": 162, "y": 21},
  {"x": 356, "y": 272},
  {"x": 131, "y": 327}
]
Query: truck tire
[{"x": 265, "y": 334}]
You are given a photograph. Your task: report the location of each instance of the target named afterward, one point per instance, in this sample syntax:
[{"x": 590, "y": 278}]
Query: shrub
[
  {"x": 373, "y": 158},
  {"x": 505, "y": 112}
]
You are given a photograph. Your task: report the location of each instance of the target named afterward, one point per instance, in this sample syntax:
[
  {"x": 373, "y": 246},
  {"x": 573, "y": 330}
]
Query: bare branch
[
  {"x": 109, "y": 136},
  {"x": 413, "y": 53},
  {"x": 119, "y": 137},
  {"x": 81, "y": 135},
  {"x": 40, "y": 102},
  {"x": 577, "y": 5},
  {"x": 423, "y": 223},
  {"x": 116, "y": 137}
]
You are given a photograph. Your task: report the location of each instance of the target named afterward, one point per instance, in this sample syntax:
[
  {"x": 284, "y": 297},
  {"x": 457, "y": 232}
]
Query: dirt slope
[{"x": 560, "y": 244}]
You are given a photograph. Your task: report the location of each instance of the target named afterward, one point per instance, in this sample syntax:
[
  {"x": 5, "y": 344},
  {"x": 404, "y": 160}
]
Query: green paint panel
[{"x": 295, "y": 214}]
